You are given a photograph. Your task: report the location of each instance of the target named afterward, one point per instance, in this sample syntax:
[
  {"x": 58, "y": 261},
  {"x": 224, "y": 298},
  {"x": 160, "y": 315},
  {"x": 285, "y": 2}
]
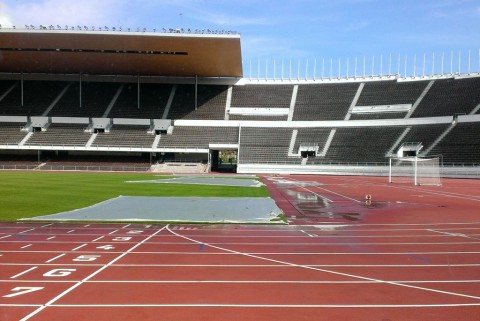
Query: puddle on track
[{"x": 314, "y": 207}]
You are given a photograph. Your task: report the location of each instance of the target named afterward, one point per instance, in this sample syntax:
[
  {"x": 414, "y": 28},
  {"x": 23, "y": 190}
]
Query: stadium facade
[{"x": 177, "y": 101}]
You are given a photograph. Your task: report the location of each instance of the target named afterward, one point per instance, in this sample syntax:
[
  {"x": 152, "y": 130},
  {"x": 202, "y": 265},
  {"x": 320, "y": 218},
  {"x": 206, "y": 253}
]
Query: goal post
[{"x": 416, "y": 170}]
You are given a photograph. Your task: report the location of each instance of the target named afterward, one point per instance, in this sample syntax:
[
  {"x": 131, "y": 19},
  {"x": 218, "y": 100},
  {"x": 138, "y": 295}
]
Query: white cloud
[
  {"x": 225, "y": 19},
  {"x": 5, "y": 19},
  {"x": 46, "y": 12}
]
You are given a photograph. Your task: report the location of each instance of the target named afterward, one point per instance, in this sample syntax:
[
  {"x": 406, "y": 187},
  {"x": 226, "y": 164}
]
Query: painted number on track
[
  {"x": 86, "y": 258},
  {"x": 59, "y": 273},
  {"x": 122, "y": 238},
  {"x": 135, "y": 232},
  {"x": 23, "y": 290},
  {"x": 106, "y": 247}
]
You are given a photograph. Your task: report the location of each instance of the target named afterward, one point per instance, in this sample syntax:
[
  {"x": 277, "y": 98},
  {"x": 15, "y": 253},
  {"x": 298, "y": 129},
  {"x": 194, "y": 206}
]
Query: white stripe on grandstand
[
  {"x": 329, "y": 271},
  {"x": 292, "y": 103},
  {"x": 112, "y": 102},
  {"x": 59, "y": 296},
  {"x": 169, "y": 102}
]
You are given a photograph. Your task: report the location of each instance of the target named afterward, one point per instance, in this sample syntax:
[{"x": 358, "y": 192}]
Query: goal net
[{"x": 416, "y": 170}]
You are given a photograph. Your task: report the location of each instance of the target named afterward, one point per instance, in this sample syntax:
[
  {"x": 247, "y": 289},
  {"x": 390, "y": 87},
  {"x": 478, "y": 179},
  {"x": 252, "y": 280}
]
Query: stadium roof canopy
[{"x": 120, "y": 53}]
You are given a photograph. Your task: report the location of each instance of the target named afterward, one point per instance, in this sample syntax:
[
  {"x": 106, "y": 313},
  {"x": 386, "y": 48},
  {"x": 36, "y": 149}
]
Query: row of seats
[
  {"x": 267, "y": 145},
  {"x": 446, "y": 97}
]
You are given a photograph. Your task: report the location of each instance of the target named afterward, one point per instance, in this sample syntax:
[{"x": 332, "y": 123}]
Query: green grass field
[{"x": 29, "y": 194}]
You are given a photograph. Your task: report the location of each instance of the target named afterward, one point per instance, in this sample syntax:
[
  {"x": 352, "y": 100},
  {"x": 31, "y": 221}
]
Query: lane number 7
[{"x": 23, "y": 290}]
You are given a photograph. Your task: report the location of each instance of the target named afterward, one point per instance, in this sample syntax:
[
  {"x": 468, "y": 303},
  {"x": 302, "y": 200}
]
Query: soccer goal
[{"x": 417, "y": 170}]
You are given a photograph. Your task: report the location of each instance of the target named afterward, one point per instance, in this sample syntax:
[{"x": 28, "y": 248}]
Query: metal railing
[{"x": 87, "y": 168}]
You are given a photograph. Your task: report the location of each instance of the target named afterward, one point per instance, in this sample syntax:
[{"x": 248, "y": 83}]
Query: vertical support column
[
  {"x": 196, "y": 92},
  {"x": 21, "y": 89},
  {"x": 138, "y": 91},
  {"x": 80, "y": 91}
]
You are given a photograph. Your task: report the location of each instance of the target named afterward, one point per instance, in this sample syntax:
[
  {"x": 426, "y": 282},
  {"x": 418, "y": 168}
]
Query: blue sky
[{"x": 302, "y": 31}]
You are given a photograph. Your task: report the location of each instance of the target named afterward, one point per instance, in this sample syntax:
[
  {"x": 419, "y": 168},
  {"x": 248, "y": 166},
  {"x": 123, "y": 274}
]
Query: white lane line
[
  {"x": 46, "y": 225},
  {"x": 98, "y": 238},
  {"x": 79, "y": 247},
  {"x": 324, "y": 189},
  {"x": 257, "y": 265},
  {"x": 35, "y": 281},
  {"x": 445, "y": 194},
  {"x": 319, "y": 236},
  {"x": 26, "y": 231},
  {"x": 287, "y": 244},
  {"x": 329, "y": 271},
  {"x": 126, "y": 225},
  {"x": 244, "y": 281},
  {"x": 112, "y": 232},
  {"x": 266, "y": 253},
  {"x": 52, "y": 301},
  {"x": 56, "y": 257},
  {"x": 348, "y": 306},
  {"x": 20, "y": 305},
  {"x": 324, "y": 244},
  {"x": 454, "y": 234},
  {"x": 50, "y": 238},
  {"x": 5, "y": 236},
  {"x": 310, "y": 235},
  {"x": 71, "y": 231},
  {"x": 304, "y": 253},
  {"x": 24, "y": 272},
  {"x": 315, "y": 265},
  {"x": 45, "y": 264},
  {"x": 25, "y": 246},
  {"x": 86, "y": 225},
  {"x": 272, "y": 281}
]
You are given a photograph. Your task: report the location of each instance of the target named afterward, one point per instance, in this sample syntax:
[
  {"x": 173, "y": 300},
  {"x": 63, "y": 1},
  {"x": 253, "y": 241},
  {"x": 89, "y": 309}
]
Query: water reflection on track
[{"x": 316, "y": 204}]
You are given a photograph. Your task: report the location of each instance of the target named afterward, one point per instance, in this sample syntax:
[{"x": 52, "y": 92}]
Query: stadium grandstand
[{"x": 178, "y": 101}]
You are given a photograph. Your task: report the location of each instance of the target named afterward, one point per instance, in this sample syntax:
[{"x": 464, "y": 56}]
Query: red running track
[{"x": 414, "y": 260}]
